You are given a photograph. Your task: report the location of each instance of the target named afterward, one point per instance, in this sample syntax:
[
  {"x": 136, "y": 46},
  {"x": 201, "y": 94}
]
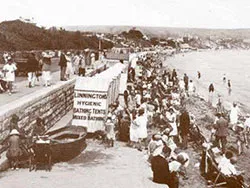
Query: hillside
[
  {"x": 164, "y": 32},
  {"x": 17, "y": 35}
]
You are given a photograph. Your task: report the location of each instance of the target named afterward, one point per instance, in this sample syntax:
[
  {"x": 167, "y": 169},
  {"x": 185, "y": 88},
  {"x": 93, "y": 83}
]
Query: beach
[{"x": 212, "y": 66}]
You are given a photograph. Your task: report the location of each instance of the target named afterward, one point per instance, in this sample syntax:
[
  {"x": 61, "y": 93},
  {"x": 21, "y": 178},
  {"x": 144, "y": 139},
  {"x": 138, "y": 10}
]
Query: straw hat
[
  {"x": 240, "y": 125},
  {"x": 14, "y": 132}
]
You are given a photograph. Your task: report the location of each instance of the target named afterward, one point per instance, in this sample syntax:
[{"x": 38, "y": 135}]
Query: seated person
[
  {"x": 225, "y": 166},
  {"x": 39, "y": 127},
  {"x": 14, "y": 151},
  {"x": 160, "y": 168},
  {"x": 3, "y": 83},
  {"x": 153, "y": 145},
  {"x": 234, "y": 178},
  {"x": 168, "y": 140},
  {"x": 14, "y": 122},
  {"x": 180, "y": 164}
]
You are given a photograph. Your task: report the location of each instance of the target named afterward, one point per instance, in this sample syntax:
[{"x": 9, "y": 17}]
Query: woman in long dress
[
  {"x": 141, "y": 122},
  {"x": 9, "y": 72},
  {"x": 69, "y": 68},
  {"x": 171, "y": 116},
  {"x": 234, "y": 114},
  {"x": 133, "y": 131}
]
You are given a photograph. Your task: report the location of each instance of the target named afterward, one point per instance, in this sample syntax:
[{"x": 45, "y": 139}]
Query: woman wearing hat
[
  {"x": 46, "y": 68},
  {"x": 14, "y": 151},
  {"x": 9, "y": 71}
]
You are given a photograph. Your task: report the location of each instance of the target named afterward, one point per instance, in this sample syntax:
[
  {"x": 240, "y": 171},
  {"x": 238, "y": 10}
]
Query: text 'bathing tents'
[{"x": 93, "y": 95}]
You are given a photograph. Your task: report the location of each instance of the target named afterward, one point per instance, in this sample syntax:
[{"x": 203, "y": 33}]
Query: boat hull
[{"x": 67, "y": 143}]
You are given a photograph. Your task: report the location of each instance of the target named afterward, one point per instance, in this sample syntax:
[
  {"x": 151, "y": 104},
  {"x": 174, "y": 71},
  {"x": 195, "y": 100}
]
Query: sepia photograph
[{"x": 124, "y": 94}]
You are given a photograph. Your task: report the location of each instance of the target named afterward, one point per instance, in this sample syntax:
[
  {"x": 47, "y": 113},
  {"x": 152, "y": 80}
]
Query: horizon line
[{"x": 145, "y": 26}]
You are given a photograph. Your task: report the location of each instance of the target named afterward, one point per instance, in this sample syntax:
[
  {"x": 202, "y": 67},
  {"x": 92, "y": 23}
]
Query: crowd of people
[
  {"x": 154, "y": 105},
  {"x": 40, "y": 65}
]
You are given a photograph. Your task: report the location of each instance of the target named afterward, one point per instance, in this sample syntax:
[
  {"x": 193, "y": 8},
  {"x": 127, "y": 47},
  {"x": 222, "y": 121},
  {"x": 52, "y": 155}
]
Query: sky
[{"x": 165, "y": 13}]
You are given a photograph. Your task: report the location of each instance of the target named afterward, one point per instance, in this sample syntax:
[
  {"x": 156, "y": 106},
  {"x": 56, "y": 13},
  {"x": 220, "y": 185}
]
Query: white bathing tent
[{"x": 93, "y": 95}]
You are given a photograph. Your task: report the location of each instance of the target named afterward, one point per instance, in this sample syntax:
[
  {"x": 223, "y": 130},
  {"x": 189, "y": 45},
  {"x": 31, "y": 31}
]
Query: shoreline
[
  {"x": 204, "y": 118},
  {"x": 201, "y": 90}
]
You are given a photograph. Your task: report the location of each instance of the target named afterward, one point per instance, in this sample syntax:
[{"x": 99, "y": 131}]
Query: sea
[{"x": 213, "y": 66}]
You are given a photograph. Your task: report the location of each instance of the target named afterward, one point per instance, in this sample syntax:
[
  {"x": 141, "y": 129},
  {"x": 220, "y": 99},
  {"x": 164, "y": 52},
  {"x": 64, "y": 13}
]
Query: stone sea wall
[{"x": 51, "y": 104}]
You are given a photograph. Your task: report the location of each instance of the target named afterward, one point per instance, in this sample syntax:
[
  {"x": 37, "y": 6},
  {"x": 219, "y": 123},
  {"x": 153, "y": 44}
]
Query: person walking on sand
[
  {"x": 211, "y": 93},
  {"x": 224, "y": 78},
  {"x": 229, "y": 85},
  {"x": 9, "y": 72},
  {"x": 198, "y": 75},
  {"x": 186, "y": 79}
]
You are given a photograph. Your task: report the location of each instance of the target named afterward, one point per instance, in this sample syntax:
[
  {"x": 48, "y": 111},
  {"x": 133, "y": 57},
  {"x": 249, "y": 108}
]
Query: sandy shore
[
  {"x": 97, "y": 167},
  {"x": 120, "y": 166}
]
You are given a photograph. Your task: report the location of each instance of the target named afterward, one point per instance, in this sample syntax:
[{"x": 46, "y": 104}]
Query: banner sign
[
  {"x": 90, "y": 109},
  {"x": 117, "y": 56}
]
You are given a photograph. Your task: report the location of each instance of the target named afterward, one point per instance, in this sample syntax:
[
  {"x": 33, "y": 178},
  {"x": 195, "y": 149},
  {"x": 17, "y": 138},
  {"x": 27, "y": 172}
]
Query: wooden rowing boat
[{"x": 67, "y": 142}]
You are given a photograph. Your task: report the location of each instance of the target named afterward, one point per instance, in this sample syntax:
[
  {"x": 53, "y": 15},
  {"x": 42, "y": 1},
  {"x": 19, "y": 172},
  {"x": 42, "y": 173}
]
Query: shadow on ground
[{"x": 89, "y": 158}]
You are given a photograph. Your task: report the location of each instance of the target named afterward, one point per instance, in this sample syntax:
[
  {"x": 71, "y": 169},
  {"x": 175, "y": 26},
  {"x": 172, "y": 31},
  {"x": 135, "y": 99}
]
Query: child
[
  {"x": 109, "y": 128},
  {"x": 9, "y": 71}
]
